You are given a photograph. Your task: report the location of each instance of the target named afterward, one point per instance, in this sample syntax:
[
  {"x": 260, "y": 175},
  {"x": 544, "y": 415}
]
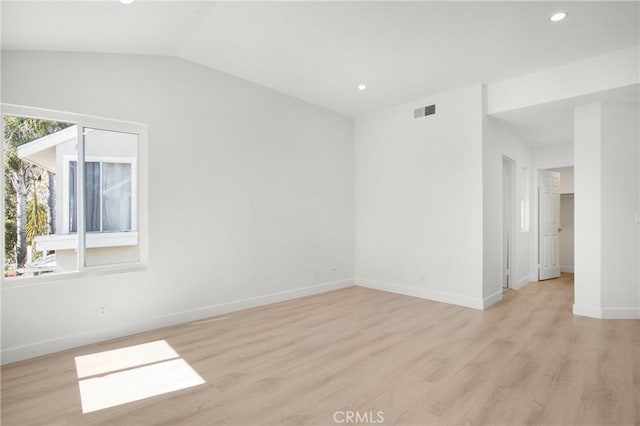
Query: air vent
[{"x": 424, "y": 111}]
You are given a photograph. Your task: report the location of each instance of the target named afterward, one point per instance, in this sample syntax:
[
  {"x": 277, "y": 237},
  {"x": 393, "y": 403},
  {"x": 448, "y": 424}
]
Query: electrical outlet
[{"x": 102, "y": 310}]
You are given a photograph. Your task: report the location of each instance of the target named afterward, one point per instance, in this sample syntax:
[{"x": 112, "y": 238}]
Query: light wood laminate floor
[{"x": 526, "y": 360}]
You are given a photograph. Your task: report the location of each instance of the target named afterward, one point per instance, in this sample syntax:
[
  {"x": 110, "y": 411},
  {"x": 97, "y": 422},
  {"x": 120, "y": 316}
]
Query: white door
[{"x": 549, "y": 225}]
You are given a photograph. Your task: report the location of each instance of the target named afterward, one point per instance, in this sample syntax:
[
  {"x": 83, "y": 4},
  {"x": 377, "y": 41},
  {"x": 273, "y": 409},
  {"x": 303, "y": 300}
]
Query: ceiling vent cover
[{"x": 424, "y": 111}]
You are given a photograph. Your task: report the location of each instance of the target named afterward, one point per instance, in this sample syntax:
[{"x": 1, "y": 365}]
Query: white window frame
[{"x": 141, "y": 190}]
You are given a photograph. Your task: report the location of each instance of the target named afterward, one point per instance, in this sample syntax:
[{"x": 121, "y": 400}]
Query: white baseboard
[
  {"x": 587, "y": 311},
  {"x": 438, "y": 296},
  {"x": 490, "y": 300},
  {"x": 567, "y": 269},
  {"x": 606, "y": 313},
  {"x": 57, "y": 344},
  {"x": 621, "y": 313},
  {"x": 522, "y": 282}
]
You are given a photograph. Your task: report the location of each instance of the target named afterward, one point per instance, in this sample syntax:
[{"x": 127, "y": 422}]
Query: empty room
[{"x": 320, "y": 212}]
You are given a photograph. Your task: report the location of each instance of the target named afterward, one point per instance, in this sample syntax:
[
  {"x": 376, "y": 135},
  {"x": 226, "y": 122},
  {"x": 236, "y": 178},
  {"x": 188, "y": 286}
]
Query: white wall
[
  {"x": 498, "y": 141},
  {"x": 620, "y": 202},
  {"x": 553, "y": 156},
  {"x": 251, "y": 197},
  {"x": 607, "y": 256},
  {"x": 588, "y": 223},
  {"x": 419, "y": 199}
]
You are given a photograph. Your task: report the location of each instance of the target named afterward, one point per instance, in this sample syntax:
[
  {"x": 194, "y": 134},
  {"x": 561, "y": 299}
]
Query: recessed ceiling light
[
  {"x": 556, "y": 17},
  {"x": 126, "y": 1},
  {"x": 362, "y": 87}
]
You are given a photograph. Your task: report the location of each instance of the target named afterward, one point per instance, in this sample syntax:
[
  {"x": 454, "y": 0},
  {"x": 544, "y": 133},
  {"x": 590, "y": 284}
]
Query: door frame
[
  {"x": 535, "y": 220},
  {"x": 509, "y": 225}
]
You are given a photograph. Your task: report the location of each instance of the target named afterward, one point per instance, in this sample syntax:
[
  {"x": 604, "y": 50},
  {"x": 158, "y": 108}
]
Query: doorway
[
  {"x": 555, "y": 222},
  {"x": 566, "y": 233},
  {"x": 549, "y": 225}
]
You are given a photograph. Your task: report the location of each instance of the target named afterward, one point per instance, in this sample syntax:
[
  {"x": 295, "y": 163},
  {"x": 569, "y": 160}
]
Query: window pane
[
  {"x": 116, "y": 197},
  {"x": 111, "y": 197},
  {"x": 38, "y": 208},
  {"x": 92, "y": 185}
]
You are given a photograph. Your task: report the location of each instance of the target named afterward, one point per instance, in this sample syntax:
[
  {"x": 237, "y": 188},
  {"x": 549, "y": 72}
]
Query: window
[
  {"x": 108, "y": 195},
  {"x": 72, "y": 193}
]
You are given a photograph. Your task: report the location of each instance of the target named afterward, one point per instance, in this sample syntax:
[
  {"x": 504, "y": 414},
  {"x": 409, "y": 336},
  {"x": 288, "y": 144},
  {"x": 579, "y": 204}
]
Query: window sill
[
  {"x": 9, "y": 283},
  {"x": 93, "y": 240}
]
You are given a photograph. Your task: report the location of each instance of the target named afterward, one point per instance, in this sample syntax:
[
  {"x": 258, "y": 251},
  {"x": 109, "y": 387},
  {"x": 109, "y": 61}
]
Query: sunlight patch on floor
[
  {"x": 136, "y": 372},
  {"x": 120, "y": 359}
]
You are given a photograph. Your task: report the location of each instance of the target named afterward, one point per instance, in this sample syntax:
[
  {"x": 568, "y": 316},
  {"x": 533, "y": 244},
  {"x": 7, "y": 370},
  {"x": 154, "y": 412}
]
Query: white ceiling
[{"x": 320, "y": 51}]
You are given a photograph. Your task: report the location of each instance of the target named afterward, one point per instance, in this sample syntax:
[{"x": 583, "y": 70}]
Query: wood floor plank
[{"x": 526, "y": 360}]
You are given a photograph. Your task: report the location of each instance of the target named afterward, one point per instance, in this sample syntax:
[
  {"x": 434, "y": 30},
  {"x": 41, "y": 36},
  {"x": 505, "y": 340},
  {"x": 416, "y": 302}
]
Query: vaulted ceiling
[{"x": 320, "y": 51}]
